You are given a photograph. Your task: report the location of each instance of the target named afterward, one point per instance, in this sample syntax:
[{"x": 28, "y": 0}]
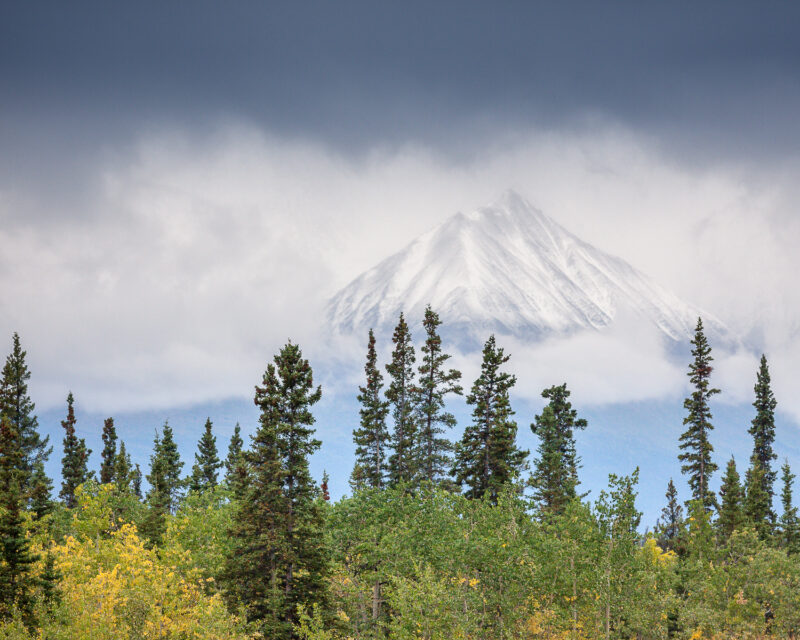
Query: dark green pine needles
[
  {"x": 731, "y": 512},
  {"x": 555, "y": 476},
  {"x": 487, "y": 456},
  {"x": 108, "y": 456},
  {"x": 371, "y": 437},
  {"x": 434, "y": 383},
  {"x": 279, "y": 559},
  {"x": 400, "y": 394},
  {"x": 695, "y": 445},
  {"x": 206, "y": 461},
  {"x": 74, "y": 464}
]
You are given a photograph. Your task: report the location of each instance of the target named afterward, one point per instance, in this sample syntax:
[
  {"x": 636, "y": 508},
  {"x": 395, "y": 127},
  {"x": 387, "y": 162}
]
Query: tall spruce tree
[
  {"x": 74, "y": 464},
  {"x": 434, "y": 383},
  {"x": 123, "y": 470},
  {"x": 236, "y": 474},
  {"x": 670, "y": 524},
  {"x": 16, "y": 404},
  {"x": 762, "y": 428},
  {"x": 695, "y": 444},
  {"x": 487, "y": 456},
  {"x": 158, "y": 496},
  {"x": 279, "y": 560},
  {"x": 400, "y": 394},
  {"x": 16, "y": 559},
  {"x": 108, "y": 455},
  {"x": 555, "y": 476},
  {"x": 371, "y": 437},
  {"x": 789, "y": 522},
  {"x": 167, "y": 452},
  {"x": 40, "y": 498},
  {"x": 731, "y": 512},
  {"x": 136, "y": 481},
  {"x": 206, "y": 461}
]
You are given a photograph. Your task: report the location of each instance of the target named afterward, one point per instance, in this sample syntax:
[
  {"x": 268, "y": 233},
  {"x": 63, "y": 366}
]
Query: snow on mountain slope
[{"x": 508, "y": 268}]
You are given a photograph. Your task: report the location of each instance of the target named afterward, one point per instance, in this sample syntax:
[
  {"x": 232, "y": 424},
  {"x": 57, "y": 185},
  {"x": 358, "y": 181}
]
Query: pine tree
[
  {"x": 435, "y": 383},
  {"x": 108, "y": 455},
  {"x": 695, "y": 445},
  {"x": 158, "y": 496},
  {"x": 371, "y": 437},
  {"x": 731, "y": 512},
  {"x": 136, "y": 481},
  {"x": 74, "y": 464},
  {"x": 757, "y": 504},
  {"x": 16, "y": 404},
  {"x": 172, "y": 466},
  {"x": 16, "y": 558},
  {"x": 51, "y": 594},
  {"x": 400, "y": 394},
  {"x": 763, "y": 431},
  {"x": 487, "y": 456},
  {"x": 670, "y": 524},
  {"x": 324, "y": 488},
  {"x": 236, "y": 464},
  {"x": 206, "y": 461},
  {"x": 279, "y": 560},
  {"x": 40, "y": 498},
  {"x": 555, "y": 477},
  {"x": 123, "y": 471},
  {"x": 789, "y": 522}
]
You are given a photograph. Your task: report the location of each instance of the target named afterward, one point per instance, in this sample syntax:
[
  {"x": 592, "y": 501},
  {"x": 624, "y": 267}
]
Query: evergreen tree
[
  {"x": 731, "y": 512},
  {"x": 670, "y": 524},
  {"x": 51, "y": 594},
  {"x": 695, "y": 444},
  {"x": 371, "y": 437},
  {"x": 236, "y": 464},
  {"x": 487, "y": 456},
  {"x": 206, "y": 461},
  {"x": 324, "y": 488},
  {"x": 109, "y": 453},
  {"x": 136, "y": 482},
  {"x": 158, "y": 496},
  {"x": 555, "y": 476},
  {"x": 763, "y": 431},
  {"x": 16, "y": 404},
  {"x": 123, "y": 471},
  {"x": 16, "y": 558},
  {"x": 434, "y": 384},
  {"x": 789, "y": 522},
  {"x": 756, "y": 502},
  {"x": 40, "y": 498},
  {"x": 279, "y": 560},
  {"x": 167, "y": 452},
  {"x": 400, "y": 394},
  {"x": 74, "y": 464}
]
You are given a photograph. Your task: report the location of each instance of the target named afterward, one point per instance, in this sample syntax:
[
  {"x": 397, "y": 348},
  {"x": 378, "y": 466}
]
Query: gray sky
[{"x": 182, "y": 186}]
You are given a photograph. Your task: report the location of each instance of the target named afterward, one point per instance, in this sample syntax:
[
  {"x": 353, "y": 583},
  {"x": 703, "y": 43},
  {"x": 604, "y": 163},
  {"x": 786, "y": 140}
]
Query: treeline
[{"x": 440, "y": 539}]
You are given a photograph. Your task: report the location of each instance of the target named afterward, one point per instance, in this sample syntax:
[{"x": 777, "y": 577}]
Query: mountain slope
[{"x": 507, "y": 268}]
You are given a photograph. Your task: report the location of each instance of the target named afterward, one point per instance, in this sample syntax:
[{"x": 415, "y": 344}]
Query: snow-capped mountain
[{"x": 510, "y": 269}]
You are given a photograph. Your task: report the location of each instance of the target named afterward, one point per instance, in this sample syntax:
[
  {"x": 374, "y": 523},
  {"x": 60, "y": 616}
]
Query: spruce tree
[
  {"x": 487, "y": 457},
  {"x": 167, "y": 452},
  {"x": 158, "y": 496},
  {"x": 763, "y": 431},
  {"x": 74, "y": 464},
  {"x": 731, "y": 512},
  {"x": 108, "y": 455},
  {"x": 695, "y": 444},
  {"x": 435, "y": 382},
  {"x": 206, "y": 461},
  {"x": 123, "y": 470},
  {"x": 400, "y": 394},
  {"x": 371, "y": 437},
  {"x": 789, "y": 522},
  {"x": 136, "y": 482},
  {"x": 236, "y": 464},
  {"x": 16, "y": 404},
  {"x": 41, "y": 497},
  {"x": 670, "y": 524},
  {"x": 279, "y": 559},
  {"x": 555, "y": 477},
  {"x": 757, "y": 505},
  {"x": 16, "y": 558}
]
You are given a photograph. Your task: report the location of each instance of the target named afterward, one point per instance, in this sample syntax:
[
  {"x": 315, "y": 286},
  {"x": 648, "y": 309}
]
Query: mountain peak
[{"x": 507, "y": 268}]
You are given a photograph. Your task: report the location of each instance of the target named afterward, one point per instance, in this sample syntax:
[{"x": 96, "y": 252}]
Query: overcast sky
[{"x": 183, "y": 185}]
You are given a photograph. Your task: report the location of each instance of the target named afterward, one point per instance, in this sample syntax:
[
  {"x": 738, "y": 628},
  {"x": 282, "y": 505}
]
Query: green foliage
[
  {"x": 757, "y": 502},
  {"x": 165, "y": 484},
  {"x": 371, "y": 437},
  {"x": 670, "y": 526},
  {"x": 108, "y": 456},
  {"x": 206, "y": 462},
  {"x": 74, "y": 464},
  {"x": 555, "y": 475},
  {"x": 487, "y": 458},
  {"x": 278, "y": 559},
  {"x": 435, "y": 383},
  {"x": 236, "y": 464},
  {"x": 695, "y": 445},
  {"x": 731, "y": 512},
  {"x": 789, "y": 523},
  {"x": 763, "y": 431},
  {"x": 400, "y": 394}
]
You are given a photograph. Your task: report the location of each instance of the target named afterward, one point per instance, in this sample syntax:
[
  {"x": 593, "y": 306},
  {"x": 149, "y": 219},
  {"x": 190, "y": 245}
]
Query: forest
[{"x": 437, "y": 540}]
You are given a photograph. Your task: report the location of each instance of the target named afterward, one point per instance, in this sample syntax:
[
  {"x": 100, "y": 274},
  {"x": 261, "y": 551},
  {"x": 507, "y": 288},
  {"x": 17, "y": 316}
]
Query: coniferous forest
[{"x": 475, "y": 538}]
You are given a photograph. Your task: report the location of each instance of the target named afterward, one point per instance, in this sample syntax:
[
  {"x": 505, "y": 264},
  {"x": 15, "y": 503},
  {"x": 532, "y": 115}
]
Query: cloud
[{"x": 189, "y": 258}]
